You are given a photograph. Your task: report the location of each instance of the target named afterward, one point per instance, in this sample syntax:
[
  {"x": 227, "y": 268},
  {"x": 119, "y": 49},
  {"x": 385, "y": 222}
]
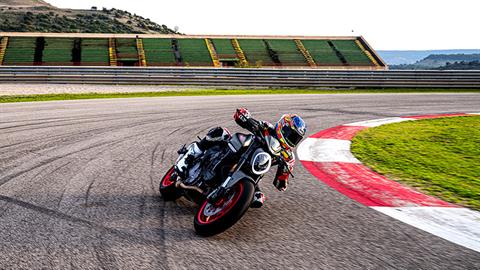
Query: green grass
[
  {"x": 440, "y": 157},
  {"x": 216, "y": 92}
]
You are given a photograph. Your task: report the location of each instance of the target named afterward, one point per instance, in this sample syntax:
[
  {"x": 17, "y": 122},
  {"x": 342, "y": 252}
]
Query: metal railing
[{"x": 289, "y": 78}]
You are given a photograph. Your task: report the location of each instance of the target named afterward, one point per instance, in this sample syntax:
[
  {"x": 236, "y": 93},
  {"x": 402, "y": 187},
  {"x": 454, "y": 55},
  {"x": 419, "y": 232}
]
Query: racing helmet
[{"x": 290, "y": 130}]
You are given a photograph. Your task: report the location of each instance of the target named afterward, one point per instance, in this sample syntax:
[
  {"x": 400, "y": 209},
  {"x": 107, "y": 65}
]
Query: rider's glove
[
  {"x": 280, "y": 184},
  {"x": 241, "y": 115}
]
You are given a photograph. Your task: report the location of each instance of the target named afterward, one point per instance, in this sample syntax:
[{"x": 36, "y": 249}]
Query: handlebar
[{"x": 257, "y": 132}]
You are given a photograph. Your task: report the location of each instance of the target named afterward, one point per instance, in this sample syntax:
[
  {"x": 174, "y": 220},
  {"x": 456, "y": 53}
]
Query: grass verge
[
  {"x": 215, "y": 92},
  {"x": 440, "y": 157}
]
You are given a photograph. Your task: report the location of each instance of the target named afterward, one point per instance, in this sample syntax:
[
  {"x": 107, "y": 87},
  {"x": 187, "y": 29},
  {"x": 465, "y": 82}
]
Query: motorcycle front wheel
[
  {"x": 167, "y": 187},
  {"x": 214, "y": 218}
]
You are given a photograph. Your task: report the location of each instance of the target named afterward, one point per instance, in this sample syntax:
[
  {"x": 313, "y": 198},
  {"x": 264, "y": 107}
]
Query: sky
[{"x": 386, "y": 24}]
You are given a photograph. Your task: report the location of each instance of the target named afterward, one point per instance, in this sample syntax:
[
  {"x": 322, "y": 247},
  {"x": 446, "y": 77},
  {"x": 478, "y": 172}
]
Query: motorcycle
[{"x": 222, "y": 181}]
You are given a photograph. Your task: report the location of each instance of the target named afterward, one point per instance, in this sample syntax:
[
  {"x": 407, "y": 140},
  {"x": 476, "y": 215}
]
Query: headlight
[{"x": 261, "y": 163}]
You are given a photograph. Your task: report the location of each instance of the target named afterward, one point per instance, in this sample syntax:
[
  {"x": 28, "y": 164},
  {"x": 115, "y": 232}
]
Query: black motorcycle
[{"x": 222, "y": 181}]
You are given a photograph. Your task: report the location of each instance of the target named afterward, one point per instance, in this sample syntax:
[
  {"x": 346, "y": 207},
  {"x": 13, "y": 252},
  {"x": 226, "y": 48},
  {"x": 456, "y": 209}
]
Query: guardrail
[{"x": 242, "y": 77}]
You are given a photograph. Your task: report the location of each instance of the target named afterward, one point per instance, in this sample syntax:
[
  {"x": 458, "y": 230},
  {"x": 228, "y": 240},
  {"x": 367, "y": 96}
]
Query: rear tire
[
  {"x": 167, "y": 187},
  {"x": 213, "y": 219}
]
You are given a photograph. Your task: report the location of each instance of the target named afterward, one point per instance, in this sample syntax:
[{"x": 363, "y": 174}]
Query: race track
[{"x": 78, "y": 189}]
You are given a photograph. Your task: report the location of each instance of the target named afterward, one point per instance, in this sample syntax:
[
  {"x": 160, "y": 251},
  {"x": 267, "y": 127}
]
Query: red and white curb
[{"x": 327, "y": 156}]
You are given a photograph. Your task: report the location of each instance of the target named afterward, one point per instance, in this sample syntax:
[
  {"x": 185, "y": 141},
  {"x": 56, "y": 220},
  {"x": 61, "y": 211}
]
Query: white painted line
[
  {"x": 458, "y": 225},
  {"x": 326, "y": 150},
  {"x": 379, "y": 122},
  {"x": 476, "y": 113}
]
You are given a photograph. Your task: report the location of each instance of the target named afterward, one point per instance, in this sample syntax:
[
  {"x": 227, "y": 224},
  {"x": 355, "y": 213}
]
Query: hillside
[
  {"x": 396, "y": 57},
  {"x": 39, "y": 16},
  {"x": 438, "y": 60},
  {"x": 472, "y": 65},
  {"x": 24, "y": 3},
  {"x": 444, "y": 61}
]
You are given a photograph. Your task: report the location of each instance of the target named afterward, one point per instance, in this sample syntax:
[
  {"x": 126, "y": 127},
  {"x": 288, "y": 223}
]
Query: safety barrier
[{"x": 244, "y": 77}]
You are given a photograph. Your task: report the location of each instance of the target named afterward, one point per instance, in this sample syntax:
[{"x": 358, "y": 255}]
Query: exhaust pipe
[{"x": 183, "y": 186}]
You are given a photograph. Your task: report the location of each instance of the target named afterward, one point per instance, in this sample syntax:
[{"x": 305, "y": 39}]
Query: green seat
[
  {"x": 287, "y": 52},
  {"x": 224, "y": 49},
  {"x": 58, "y": 51},
  {"x": 94, "y": 52},
  {"x": 159, "y": 52},
  {"x": 322, "y": 53},
  {"x": 127, "y": 49},
  {"x": 256, "y": 52},
  {"x": 354, "y": 55},
  {"x": 194, "y": 52},
  {"x": 20, "y": 51}
]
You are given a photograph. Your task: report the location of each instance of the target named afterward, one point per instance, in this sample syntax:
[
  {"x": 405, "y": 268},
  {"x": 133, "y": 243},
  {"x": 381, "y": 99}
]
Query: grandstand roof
[{"x": 113, "y": 35}]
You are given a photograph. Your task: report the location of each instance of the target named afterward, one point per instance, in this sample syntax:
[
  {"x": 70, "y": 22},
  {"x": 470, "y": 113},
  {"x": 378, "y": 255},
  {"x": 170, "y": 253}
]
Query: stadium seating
[
  {"x": 322, "y": 53},
  {"x": 58, "y": 52},
  {"x": 240, "y": 54},
  {"x": 256, "y": 52},
  {"x": 287, "y": 51},
  {"x": 141, "y": 53},
  {"x": 212, "y": 52},
  {"x": 224, "y": 49},
  {"x": 305, "y": 53},
  {"x": 158, "y": 52},
  {"x": 20, "y": 51},
  {"x": 94, "y": 52},
  {"x": 127, "y": 54},
  {"x": 3, "y": 48},
  {"x": 132, "y": 50},
  {"x": 352, "y": 53},
  {"x": 194, "y": 52}
]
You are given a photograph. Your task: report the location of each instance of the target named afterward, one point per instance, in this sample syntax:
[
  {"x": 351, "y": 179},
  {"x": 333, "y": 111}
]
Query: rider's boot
[
  {"x": 193, "y": 152},
  {"x": 258, "y": 199}
]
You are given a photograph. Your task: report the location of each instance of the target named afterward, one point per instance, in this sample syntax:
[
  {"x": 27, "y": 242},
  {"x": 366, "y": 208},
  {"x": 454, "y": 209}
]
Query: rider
[{"x": 289, "y": 131}]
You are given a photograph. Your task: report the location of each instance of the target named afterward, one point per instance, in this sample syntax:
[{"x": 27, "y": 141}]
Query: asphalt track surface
[{"x": 78, "y": 189}]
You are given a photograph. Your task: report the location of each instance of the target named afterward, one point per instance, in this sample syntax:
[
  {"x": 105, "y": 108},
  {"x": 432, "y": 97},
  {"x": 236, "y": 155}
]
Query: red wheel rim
[
  {"x": 208, "y": 213},
  {"x": 166, "y": 181}
]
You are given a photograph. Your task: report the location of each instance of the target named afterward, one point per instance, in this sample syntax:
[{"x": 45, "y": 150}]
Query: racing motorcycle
[{"x": 222, "y": 181}]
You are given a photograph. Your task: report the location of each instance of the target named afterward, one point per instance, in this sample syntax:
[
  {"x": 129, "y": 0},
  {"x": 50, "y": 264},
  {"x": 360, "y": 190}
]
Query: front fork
[
  {"x": 220, "y": 191},
  {"x": 231, "y": 180}
]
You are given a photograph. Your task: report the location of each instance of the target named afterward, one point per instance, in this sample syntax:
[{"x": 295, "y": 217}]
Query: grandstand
[
  {"x": 20, "y": 51},
  {"x": 225, "y": 51},
  {"x": 52, "y": 49},
  {"x": 159, "y": 52},
  {"x": 57, "y": 52},
  {"x": 194, "y": 52},
  {"x": 94, "y": 52},
  {"x": 126, "y": 52}
]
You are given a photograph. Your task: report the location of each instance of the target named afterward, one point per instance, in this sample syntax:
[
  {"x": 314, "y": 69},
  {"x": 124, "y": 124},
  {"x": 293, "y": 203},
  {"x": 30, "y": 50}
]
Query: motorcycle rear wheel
[
  {"x": 168, "y": 190},
  {"x": 215, "y": 218}
]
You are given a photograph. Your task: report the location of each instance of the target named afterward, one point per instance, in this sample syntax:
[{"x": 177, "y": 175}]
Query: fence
[{"x": 290, "y": 78}]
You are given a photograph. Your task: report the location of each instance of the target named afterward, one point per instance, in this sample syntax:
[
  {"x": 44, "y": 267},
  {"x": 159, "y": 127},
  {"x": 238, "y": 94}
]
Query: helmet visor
[{"x": 291, "y": 136}]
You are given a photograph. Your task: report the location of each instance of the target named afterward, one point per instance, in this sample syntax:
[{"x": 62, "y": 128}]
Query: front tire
[
  {"x": 167, "y": 187},
  {"x": 215, "y": 218}
]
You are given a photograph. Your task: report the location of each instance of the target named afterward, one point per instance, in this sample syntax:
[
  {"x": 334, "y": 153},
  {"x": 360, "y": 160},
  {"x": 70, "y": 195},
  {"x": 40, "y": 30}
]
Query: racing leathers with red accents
[{"x": 242, "y": 117}]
